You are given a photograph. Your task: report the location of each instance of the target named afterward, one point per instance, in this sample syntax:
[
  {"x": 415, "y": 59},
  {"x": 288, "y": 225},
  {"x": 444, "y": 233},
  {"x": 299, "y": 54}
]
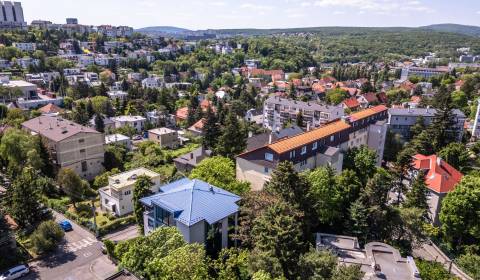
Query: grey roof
[
  {"x": 261, "y": 140},
  {"x": 56, "y": 128},
  {"x": 426, "y": 112},
  {"x": 194, "y": 157},
  {"x": 192, "y": 201}
]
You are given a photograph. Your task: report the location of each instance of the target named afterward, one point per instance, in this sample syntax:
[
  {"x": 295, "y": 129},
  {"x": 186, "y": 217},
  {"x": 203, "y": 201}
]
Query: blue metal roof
[{"x": 192, "y": 201}]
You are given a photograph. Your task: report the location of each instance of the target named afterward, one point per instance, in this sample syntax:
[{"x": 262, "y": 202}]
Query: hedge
[{"x": 116, "y": 224}]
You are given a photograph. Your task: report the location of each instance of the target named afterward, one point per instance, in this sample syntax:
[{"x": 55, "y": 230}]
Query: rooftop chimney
[
  {"x": 308, "y": 126},
  {"x": 270, "y": 138}
]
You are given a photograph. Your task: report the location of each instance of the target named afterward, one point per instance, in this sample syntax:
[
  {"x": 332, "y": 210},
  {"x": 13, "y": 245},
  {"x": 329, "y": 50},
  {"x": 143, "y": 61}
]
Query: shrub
[
  {"x": 46, "y": 237},
  {"x": 116, "y": 224}
]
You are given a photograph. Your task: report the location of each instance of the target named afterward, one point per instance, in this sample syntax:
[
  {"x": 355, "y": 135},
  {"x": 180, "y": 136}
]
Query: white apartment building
[
  {"x": 137, "y": 122},
  {"x": 25, "y": 47},
  {"x": 118, "y": 195},
  {"x": 277, "y": 112}
]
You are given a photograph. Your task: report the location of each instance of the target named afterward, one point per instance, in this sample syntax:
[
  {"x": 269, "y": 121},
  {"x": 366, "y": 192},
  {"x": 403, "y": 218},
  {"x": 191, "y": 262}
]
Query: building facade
[
  {"x": 401, "y": 120},
  {"x": 117, "y": 197},
  {"x": 165, "y": 137},
  {"x": 11, "y": 16},
  {"x": 70, "y": 145},
  {"x": 196, "y": 208},
  {"x": 278, "y": 112},
  {"x": 323, "y": 146}
]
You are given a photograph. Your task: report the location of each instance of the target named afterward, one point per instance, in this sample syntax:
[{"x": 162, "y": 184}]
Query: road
[
  {"x": 122, "y": 235},
  {"x": 78, "y": 258}
]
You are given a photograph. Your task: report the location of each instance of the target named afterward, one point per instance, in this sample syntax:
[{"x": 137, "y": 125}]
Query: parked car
[
  {"x": 65, "y": 225},
  {"x": 15, "y": 272}
]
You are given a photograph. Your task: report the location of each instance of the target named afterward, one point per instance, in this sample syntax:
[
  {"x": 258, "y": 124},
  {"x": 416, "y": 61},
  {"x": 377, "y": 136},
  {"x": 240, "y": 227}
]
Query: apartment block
[
  {"x": 278, "y": 112},
  {"x": 70, "y": 145},
  {"x": 324, "y": 146}
]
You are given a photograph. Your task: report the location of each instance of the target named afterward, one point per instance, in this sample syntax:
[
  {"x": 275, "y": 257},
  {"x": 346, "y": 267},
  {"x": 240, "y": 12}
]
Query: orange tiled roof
[
  {"x": 441, "y": 177},
  {"x": 182, "y": 113},
  {"x": 368, "y": 112},
  {"x": 351, "y": 103},
  {"x": 50, "y": 108},
  {"x": 308, "y": 137}
]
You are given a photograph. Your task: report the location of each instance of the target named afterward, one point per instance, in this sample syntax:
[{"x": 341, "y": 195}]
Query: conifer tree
[
  {"x": 211, "y": 130},
  {"x": 233, "y": 139}
]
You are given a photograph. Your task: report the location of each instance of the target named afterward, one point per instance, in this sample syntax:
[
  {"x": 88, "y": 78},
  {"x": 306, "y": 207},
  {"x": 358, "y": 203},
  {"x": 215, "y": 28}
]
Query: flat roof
[
  {"x": 162, "y": 130},
  {"x": 128, "y": 178}
]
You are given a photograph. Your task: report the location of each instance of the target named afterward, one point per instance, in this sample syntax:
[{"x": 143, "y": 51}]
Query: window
[
  {"x": 82, "y": 151},
  {"x": 292, "y": 154},
  {"x": 269, "y": 156},
  {"x": 163, "y": 216},
  {"x": 266, "y": 170},
  {"x": 127, "y": 192},
  {"x": 304, "y": 150},
  {"x": 332, "y": 138},
  {"x": 84, "y": 166},
  {"x": 315, "y": 146},
  {"x": 81, "y": 140},
  {"x": 303, "y": 163}
]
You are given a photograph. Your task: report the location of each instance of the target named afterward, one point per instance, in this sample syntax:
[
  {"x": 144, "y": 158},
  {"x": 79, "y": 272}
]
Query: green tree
[
  {"x": 460, "y": 213},
  {"x": 211, "y": 130},
  {"x": 46, "y": 237},
  {"x": 220, "y": 172},
  {"x": 23, "y": 200},
  {"x": 469, "y": 264},
  {"x": 72, "y": 185},
  {"x": 233, "y": 139},
  {"x": 417, "y": 196},
  {"x": 418, "y": 127},
  {"x": 279, "y": 235},
  {"x": 141, "y": 189},
  {"x": 433, "y": 271},
  {"x": 440, "y": 131},
  {"x": 294, "y": 189},
  {"x": 232, "y": 264},
  {"x": 456, "y": 154},
  {"x": 317, "y": 265},
  {"x": 19, "y": 150},
  {"x": 99, "y": 124},
  {"x": 361, "y": 160},
  {"x": 351, "y": 272}
]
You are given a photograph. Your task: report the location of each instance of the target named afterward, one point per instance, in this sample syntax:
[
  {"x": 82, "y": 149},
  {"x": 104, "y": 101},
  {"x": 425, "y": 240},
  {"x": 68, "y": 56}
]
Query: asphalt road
[{"x": 78, "y": 258}]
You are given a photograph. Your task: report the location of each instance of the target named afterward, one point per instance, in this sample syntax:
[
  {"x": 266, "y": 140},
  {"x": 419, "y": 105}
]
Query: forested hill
[{"x": 455, "y": 28}]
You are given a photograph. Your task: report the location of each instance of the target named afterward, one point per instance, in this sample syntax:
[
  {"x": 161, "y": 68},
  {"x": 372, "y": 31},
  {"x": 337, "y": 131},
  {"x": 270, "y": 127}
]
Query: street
[{"x": 78, "y": 258}]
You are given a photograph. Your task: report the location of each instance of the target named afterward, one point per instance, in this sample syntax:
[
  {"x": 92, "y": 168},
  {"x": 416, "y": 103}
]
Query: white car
[{"x": 15, "y": 272}]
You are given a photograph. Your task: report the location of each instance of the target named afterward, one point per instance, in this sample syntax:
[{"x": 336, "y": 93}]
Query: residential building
[
  {"x": 50, "y": 110},
  {"x": 257, "y": 141},
  {"x": 196, "y": 208},
  {"x": 72, "y": 21},
  {"x": 422, "y": 72},
  {"x": 117, "y": 197},
  {"x": 375, "y": 258},
  {"x": 476, "y": 125},
  {"x": 12, "y": 15},
  {"x": 152, "y": 82},
  {"x": 400, "y": 120},
  {"x": 323, "y": 146},
  {"x": 160, "y": 118},
  {"x": 117, "y": 94},
  {"x": 90, "y": 76},
  {"x": 351, "y": 104},
  {"x": 367, "y": 99},
  {"x": 28, "y": 90},
  {"x": 70, "y": 145},
  {"x": 165, "y": 137},
  {"x": 119, "y": 139},
  {"x": 25, "y": 47},
  {"x": 278, "y": 112},
  {"x": 137, "y": 122},
  {"x": 188, "y": 161},
  {"x": 440, "y": 178},
  {"x": 197, "y": 128}
]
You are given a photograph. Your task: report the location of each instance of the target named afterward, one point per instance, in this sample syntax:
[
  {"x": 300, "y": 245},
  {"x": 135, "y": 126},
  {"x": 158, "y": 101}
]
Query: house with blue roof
[{"x": 202, "y": 213}]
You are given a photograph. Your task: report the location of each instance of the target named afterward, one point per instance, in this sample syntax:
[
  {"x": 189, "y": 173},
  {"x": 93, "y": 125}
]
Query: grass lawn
[{"x": 184, "y": 150}]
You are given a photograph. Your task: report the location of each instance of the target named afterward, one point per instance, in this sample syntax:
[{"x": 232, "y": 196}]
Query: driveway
[
  {"x": 122, "y": 235},
  {"x": 78, "y": 258}
]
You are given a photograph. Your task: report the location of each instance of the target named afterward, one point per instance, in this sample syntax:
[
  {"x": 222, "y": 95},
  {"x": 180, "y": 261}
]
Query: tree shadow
[{"x": 59, "y": 257}]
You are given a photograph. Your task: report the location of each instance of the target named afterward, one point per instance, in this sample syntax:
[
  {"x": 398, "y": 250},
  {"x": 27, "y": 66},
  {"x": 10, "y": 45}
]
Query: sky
[{"x": 218, "y": 14}]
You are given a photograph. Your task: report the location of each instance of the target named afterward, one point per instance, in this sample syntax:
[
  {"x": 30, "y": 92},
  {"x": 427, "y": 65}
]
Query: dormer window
[
  {"x": 315, "y": 146},
  {"x": 292, "y": 154},
  {"x": 304, "y": 150}
]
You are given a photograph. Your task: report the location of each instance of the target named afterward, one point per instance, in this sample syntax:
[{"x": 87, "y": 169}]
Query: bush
[
  {"x": 433, "y": 271},
  {"x": 110, "y": 247},
  {"x": 84, "y": 210},
  {"x": 470, "y": 265},
  {"x": 116, "y": 224},
  {"x": 46, "y": 237}
]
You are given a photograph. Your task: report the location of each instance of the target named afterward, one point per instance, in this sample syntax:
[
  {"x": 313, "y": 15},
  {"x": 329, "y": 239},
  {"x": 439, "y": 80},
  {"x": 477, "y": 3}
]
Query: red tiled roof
[
  {"x": 50, "y": 109},
  {"x": 182, "y": 113},
  {"x": 351, "y": 103},
  {"x": 199, "y": 125},
  {"x": 441, "y": 177},
  {"x": 318, "y": 88},
  {"x": 370, "y": 97}
]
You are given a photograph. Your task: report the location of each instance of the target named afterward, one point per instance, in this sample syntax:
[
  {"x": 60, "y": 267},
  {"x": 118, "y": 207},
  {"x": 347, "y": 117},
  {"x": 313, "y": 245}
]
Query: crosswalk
[{"x": 84, "y": 243}]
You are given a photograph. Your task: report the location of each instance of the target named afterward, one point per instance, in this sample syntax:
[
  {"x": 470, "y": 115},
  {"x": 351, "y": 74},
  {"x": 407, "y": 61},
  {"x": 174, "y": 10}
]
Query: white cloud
[
  {"x": 338, "y": 13},
  {"x": 218, "y": 4},
  {"x": 478, "y": 12},
  {"x": 376, "y": 6},
  {"x": 256, "y": 7}
]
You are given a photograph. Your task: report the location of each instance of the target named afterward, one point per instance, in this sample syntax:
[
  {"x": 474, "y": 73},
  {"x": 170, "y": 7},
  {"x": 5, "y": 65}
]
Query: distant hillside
[
  {"x": 163, "y": 29},
  {"x": 455, "y": 28}
]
